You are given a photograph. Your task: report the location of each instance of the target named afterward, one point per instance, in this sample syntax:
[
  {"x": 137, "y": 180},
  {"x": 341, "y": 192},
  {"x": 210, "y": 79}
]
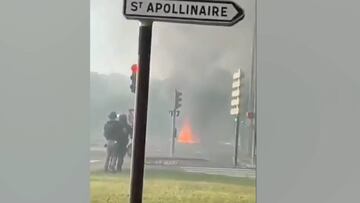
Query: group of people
[{"x": 117, "y": 133}]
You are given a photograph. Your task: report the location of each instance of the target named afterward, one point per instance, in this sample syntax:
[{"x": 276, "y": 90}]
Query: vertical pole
[
  {"x": 252, "y": 142},
  {"x": 249, "y": 149},
  {"x": 141, "y": 105},
  {"x": 173, "y": 136},
  {"x": 253, "y": 149},
  {"x": 172, "y": 150},
  {"x": 254, "y": 92},
  {"x": 236, "y": 139}
]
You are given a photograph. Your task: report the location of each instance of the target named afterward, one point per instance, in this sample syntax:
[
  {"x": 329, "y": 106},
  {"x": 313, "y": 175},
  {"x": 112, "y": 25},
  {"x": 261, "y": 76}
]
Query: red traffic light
[{"x": 135, "y": 68}]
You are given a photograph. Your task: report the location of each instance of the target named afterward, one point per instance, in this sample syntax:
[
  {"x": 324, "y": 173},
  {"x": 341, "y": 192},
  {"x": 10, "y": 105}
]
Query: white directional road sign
[
  {"x": 208, "y": 12},
  {"x": 237, "y": 74},
  {"x": 236, "y": 83},
  {"x": 234, "y": 111},
  {"x": 235, "y": 102},
  {"x": 236, "y": 93}
]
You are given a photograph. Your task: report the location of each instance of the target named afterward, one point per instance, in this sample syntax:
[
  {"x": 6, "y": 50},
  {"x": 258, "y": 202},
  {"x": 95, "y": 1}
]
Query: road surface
[{"x": 98, "y": 155}]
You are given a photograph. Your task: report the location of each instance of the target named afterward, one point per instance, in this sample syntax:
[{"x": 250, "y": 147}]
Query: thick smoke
[{"x": 199, "y": 61}]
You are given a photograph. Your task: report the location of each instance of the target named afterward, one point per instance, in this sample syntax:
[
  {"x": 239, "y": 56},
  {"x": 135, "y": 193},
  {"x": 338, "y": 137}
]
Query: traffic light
[
  {"x": 177, "y": 99},
  {"x": 133, "y": 82},
  {"x": 134, "y": 71}
]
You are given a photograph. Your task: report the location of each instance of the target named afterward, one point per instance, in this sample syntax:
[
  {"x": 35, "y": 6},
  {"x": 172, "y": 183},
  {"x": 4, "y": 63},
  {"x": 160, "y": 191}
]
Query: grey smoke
[{"x": 197, "y": 60}]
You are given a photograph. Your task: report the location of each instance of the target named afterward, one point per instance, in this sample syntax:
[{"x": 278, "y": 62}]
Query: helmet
[{"x": 112, "y": 115}]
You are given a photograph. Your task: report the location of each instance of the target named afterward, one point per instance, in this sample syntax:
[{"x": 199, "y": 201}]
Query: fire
[{"x": 186, "y": 135}]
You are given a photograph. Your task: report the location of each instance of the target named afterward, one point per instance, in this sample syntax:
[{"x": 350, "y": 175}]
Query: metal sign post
[
  {"x": 236, "y": 151},
  {"x": 141, "y": 105},
  {"x": 205, "y": 12}
]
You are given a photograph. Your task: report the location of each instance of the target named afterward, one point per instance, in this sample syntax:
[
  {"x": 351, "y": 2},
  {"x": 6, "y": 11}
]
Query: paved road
[
  {"x": 97, "y": 159},
  {"x": 98, "y": 154},
  {"x": 232, "y": 172}
]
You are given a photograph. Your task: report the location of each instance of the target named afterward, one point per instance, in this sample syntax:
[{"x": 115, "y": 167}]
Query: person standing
[
  {"x": 110, "y": 133},
  {"x": 122, "y": 140}
]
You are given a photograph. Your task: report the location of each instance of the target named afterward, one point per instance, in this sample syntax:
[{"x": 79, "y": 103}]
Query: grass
[{"x": 173, "y": 187}]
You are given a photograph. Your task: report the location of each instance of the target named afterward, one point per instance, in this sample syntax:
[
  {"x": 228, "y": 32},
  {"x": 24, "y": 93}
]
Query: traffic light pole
[
  {"x": 172, "y": 146},
  {"x": 237, "y": 139},
  {"x": 172, "y": 150},
  {"x": 141, "y": 105},
  {"x": 175, "y": 113},
  {"x": 253, "y": 144}
]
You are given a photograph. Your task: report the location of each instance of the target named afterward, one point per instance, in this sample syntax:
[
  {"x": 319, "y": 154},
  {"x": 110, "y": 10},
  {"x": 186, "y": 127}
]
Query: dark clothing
[
  {"x": 111, "y": 132},
  {"x": 121, "y": 152},
  {"x": 122, "y": 142},
  {"x": 111, "y": 155},
  {"x": 124, "y": 132}
]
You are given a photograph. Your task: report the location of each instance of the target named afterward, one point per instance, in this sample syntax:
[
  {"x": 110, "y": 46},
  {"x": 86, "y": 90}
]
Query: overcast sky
[{"x": 177, "y": 48}]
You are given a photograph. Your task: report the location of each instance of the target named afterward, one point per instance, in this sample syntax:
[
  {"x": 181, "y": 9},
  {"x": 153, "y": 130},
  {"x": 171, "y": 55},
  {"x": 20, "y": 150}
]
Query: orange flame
[{"x": 186, "y": 134}]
